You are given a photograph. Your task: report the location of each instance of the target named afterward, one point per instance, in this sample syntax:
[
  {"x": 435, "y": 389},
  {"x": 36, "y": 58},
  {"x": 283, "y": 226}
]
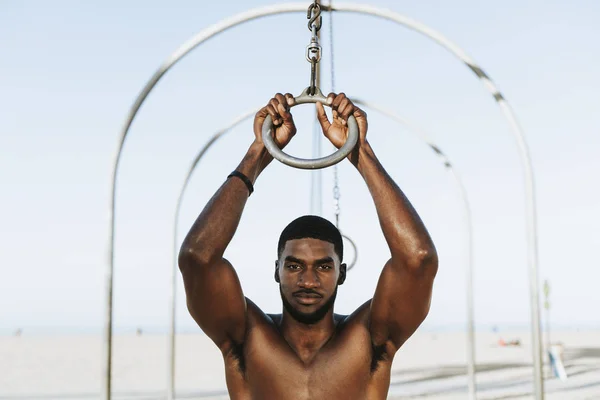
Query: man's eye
[
  {"x": 293, "y": 266},
  {"x": 326, "y": 267}
]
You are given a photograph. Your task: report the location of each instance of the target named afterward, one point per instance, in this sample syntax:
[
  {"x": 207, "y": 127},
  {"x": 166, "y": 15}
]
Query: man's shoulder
[
  {"x": 361, "y": 314},
  {"x": 257, "y": 318},
  {"x": 275, "y": 318},
  {"x": 256, "y": 314}
]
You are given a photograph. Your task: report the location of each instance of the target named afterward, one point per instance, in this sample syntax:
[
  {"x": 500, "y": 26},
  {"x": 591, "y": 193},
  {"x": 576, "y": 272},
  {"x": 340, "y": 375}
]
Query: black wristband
[{"x": 244, "y": 178}]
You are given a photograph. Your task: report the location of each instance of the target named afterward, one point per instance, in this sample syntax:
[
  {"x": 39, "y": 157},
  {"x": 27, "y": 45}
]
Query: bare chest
[{"x": 268, "y": 368}]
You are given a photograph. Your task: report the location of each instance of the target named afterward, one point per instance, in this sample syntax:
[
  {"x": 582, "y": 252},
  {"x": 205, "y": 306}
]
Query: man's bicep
[
  {"x": 401, "y": 303},
  {"x": 216, "y": 301}
]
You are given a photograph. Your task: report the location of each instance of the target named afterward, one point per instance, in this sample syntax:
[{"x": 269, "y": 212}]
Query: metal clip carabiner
[{"x": 314, "y": 14}]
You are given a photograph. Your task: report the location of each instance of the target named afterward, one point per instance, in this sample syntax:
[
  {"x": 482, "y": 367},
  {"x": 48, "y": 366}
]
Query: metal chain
[
  {"x": 313, "y": 50},
  {"x": 336, "y": 198},
  {"x": 336, "y": 187}
]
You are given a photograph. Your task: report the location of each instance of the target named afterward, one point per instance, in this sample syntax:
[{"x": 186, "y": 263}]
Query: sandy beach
[{"x": 430, "y": 366}]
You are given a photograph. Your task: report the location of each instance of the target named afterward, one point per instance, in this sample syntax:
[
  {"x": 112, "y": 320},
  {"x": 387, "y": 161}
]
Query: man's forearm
[
  {"x": 215, "y": 226},
  {"x": 402, "y": 227}
]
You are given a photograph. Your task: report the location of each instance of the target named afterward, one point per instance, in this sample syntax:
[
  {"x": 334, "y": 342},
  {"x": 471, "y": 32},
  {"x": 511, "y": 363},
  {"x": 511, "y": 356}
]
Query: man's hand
[
  {"x": 279, "y": 110},
  {"x": 337, "y": 131}
]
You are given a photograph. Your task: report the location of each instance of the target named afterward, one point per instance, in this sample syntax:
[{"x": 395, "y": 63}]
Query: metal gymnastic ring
[
  {"x": 302, "y": 163},
  {"x": 349, "y": 266}
]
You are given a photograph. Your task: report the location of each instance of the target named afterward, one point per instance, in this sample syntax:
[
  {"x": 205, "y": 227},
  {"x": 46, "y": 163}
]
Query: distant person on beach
[
  {"x": 308, "y": 352},
  {"x": 504, "y": 343}
]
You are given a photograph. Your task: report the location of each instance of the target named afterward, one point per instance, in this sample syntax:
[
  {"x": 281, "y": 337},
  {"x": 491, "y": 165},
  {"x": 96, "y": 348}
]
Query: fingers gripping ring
[{"x": 302, "y": 163}]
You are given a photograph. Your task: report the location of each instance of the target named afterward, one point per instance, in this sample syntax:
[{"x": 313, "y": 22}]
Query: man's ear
[
  {"x": 277, "y": 272},
  {"x": 342, "y": 277}
]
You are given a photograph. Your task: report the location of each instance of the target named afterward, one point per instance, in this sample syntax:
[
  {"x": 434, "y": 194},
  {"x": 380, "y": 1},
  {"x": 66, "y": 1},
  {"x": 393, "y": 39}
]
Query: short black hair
[{"x": 314, "y": 227}]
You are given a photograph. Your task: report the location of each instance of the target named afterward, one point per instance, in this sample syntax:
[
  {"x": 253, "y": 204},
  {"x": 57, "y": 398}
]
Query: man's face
[{"x": 309, "y": 272}]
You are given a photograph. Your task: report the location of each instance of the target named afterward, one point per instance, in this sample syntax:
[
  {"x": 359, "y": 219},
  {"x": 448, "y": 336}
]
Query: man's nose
[{"x": 309, "y": 280}]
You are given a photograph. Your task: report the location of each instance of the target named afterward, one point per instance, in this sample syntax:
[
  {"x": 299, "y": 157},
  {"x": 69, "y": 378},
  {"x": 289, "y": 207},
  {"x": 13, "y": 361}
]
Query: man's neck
[{"x": 306, "y": 340}]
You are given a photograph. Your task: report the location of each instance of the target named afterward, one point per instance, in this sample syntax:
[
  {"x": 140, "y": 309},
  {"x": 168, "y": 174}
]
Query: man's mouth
[{"x": 307, "y": 298}]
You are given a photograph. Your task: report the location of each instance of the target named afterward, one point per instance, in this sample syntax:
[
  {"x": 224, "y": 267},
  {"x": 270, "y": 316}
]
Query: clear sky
[{"x": 69, "y": 71}]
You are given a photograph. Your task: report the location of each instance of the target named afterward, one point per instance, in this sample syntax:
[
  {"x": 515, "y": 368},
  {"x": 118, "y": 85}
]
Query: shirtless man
[{"x": 308, "y": 352}]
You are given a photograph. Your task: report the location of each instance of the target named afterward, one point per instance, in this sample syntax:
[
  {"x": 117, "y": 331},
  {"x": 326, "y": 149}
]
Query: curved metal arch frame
[
  {"x": 411, "y": 127},
  {"x": 367, "y": 10},
  {"x": 470, "y": 270}
]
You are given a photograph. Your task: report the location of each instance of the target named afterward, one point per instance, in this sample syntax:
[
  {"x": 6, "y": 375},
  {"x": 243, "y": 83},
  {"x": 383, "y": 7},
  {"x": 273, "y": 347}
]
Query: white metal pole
[{"x": 471, "y": 364}]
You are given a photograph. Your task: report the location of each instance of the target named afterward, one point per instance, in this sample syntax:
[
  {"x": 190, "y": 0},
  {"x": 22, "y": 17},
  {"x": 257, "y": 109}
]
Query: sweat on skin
[{"x": 308, "y": 351}]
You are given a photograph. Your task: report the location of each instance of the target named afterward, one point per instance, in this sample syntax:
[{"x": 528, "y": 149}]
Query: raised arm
[
  {"x": 402, "y": 298},
  {"x": 214, "y": 294}
]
